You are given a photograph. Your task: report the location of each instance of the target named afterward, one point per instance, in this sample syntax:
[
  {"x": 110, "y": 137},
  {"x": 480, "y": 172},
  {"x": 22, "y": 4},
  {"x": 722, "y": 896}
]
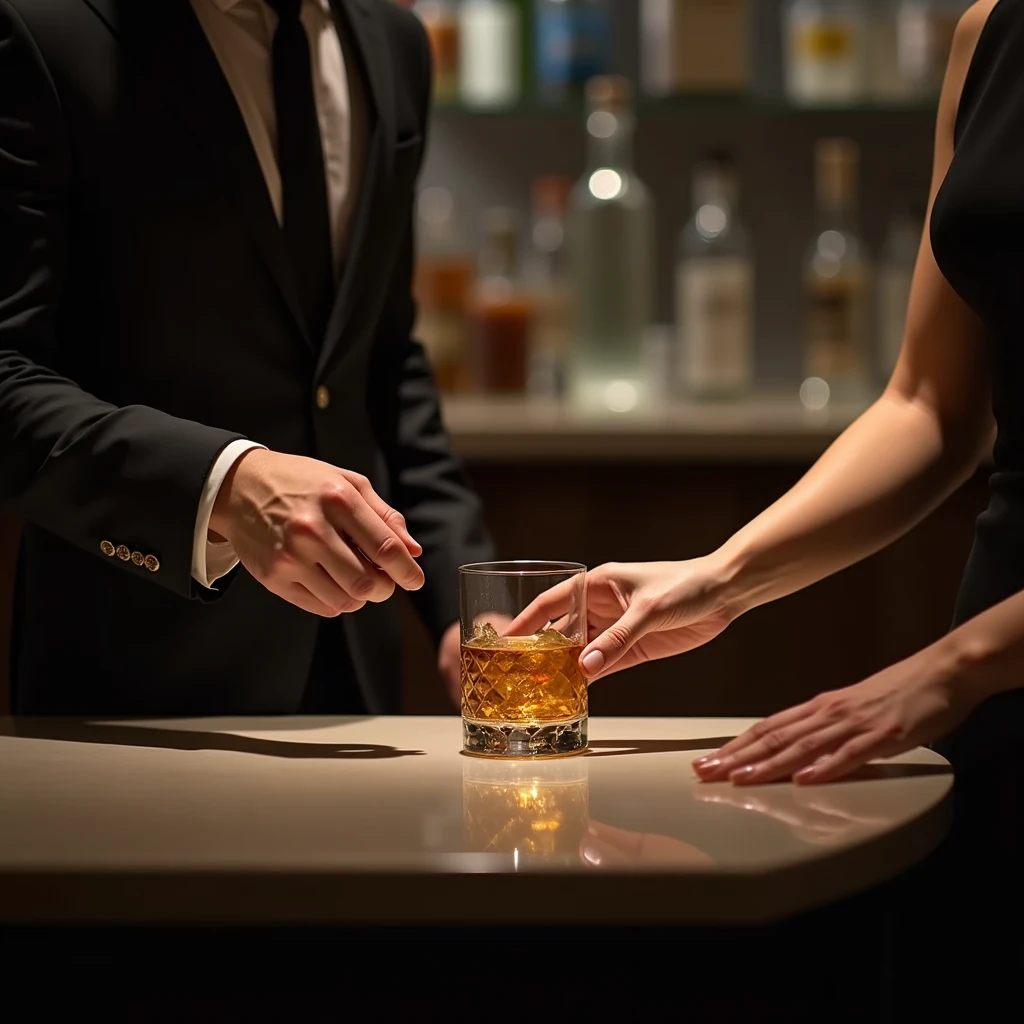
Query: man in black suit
[{"x": 205, "y": 310}]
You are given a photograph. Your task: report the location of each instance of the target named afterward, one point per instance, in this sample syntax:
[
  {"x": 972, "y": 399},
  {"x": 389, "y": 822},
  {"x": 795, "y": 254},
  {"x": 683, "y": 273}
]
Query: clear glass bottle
[
  {"x": 836, "y": 277},
  {"x": 490, "y": 55},
  {"x": 715, "y": 288},
  {"x": 895, "y": 276},
  {"x": 926, "y": 29},
  {"x": 826, "y": 51},
  {"x": 501, "y": 312},
  {"x": 611, "y": 254},
  {"x": 572, "y": 44},
  {"x": 440, "y": 19},
  {"x": 549, "y": 283},
  {"x": 445, "y": 268}
]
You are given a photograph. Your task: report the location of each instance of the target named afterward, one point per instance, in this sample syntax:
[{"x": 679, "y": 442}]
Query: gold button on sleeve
[
  {"x": 107, "y": 548},
  {"x": 152, "y": 563},
  {"x": 123, "y": 553},
  {"x": 323, "y": 397},
  {"x": 138, "y": 558}
]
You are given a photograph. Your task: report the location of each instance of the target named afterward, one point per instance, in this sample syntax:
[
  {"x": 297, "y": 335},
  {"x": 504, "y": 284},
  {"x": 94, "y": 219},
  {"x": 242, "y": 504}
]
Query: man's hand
[
  {"x": 318, "y": 536},
  {"x": 449, "y": 659}
]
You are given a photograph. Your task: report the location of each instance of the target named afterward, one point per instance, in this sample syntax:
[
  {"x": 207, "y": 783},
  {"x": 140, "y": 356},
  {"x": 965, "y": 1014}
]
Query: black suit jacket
[{"x": 148, "y": 317}]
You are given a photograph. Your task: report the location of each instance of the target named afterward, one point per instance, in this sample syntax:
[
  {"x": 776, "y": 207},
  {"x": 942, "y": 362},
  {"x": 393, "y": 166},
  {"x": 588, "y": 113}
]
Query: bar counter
[
  {"x": 767, "y": 427},
  {"x": 383, "y": 822}
]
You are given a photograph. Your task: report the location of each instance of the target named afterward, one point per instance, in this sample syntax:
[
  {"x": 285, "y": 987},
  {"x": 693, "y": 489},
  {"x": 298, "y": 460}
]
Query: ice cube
[
  {"x": 550, "y": 638},
  {"x": 487, "y": 633}
]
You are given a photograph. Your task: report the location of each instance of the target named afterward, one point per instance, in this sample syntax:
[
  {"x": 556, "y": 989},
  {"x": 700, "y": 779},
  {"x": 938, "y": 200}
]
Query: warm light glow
[
  {"x": 832, "y": 245},
  {"x": 620, "y": 396},
  {"x": 605, "y": 184},
  {"x": 602, "y": 124},
  {"x": 815, "y": 394},
  {"x": 711, "y": 221}
]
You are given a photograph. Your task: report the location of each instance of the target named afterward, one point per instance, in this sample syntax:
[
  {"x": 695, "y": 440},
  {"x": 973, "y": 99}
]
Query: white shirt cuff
[{"x": 212, "y": 560}]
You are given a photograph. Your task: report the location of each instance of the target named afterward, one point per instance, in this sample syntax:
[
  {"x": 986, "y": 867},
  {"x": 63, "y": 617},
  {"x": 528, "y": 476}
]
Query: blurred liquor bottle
[
  {"x": 444, "y": 274},
  {"x": 826, "y": 51},
  {"x": 440, "y": 18},
  {"x": 549, "y": 283},
  {"x": 695, "y": 46},
  {"x": 572, "y": 43},
  {"x": 715, "y": 288},
  {"x": 926, "y": 30},
  {"x": 501, "y": 312},
  {"x": 611, "y": 254},
  {"x": 837, "y": 278},
  {"x": 490, "y": 52}
]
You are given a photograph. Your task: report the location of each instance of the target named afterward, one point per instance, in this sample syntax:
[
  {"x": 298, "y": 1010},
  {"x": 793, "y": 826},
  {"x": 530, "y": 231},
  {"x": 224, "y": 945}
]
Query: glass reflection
[{"x": 537, "y": 811}]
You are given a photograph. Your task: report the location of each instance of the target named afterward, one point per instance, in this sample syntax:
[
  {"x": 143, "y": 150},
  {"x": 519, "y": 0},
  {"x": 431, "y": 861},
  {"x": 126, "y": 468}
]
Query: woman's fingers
[
  {"x": 767, "y": 736},
  {"x": 552, "y": 604},
  {"x": 800, "y": 752},
  {"x": 853, "y": 754}
]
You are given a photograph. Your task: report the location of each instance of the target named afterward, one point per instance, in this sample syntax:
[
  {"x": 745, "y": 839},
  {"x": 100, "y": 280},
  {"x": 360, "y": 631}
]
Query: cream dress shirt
[{"x": 240, "y": 33}]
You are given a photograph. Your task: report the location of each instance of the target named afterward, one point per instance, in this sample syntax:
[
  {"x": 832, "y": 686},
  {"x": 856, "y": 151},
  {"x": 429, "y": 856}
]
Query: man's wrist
[{"x": 220, "y": 516}]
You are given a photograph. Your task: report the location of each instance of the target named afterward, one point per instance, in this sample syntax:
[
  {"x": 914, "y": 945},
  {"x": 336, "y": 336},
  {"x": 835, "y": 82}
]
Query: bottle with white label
[
  {"x": 490, "y": 73},
  {"x": 826, "y": 51},
  {"x": 714, "y": 288}
]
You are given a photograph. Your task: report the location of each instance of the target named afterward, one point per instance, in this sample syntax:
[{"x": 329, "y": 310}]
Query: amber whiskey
[{"x": 520, "y": 686}]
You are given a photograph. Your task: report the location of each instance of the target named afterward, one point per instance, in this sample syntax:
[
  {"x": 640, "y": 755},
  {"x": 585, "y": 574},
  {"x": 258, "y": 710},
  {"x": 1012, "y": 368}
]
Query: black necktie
[{"x": 300, "y": 159}]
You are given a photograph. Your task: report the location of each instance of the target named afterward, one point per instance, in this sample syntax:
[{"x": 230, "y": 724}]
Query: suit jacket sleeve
[
  {"x": 70, "y": 463},
  {"x": 429, "y": 484}
]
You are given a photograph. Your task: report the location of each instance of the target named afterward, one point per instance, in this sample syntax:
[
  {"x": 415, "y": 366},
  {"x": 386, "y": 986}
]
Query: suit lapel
[
  {"x": 180, "y": 63},
  {"x": 370, "y": 46}
]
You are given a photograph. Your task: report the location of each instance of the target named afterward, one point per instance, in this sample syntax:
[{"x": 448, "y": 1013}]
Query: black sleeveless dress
[{"x": 977, "y": 234}]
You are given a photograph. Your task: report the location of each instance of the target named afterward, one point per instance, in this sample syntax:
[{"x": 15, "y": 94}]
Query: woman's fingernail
[
  {"x": 593, "y": 662},
  {"x": 807, "y": 774},
  {"x": 702, "y": 760},
  {"x": 707, "y": 764},
  {"x": 744, "y": 774},
  {"x": 592, "y": 854}
]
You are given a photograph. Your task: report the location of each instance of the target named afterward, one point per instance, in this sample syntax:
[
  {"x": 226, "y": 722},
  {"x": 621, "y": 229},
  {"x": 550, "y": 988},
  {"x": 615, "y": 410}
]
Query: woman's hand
[
  {"x": 639, "y": 612},
  {"x": 913, "y": 702}
]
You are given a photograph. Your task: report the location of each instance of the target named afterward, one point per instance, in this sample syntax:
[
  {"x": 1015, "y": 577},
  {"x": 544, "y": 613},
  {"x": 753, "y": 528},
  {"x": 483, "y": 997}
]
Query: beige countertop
[
  {"x": 770, "y": 427},
  {"x": 384, "y": 821}
]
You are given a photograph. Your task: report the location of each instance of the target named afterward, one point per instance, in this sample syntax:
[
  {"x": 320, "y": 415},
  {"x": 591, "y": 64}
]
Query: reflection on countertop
[{"x": 540, "y": 814}]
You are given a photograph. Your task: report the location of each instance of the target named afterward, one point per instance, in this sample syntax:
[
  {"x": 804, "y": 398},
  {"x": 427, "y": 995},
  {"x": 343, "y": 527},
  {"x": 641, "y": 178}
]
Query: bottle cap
[{"x": 613, "y": 93}]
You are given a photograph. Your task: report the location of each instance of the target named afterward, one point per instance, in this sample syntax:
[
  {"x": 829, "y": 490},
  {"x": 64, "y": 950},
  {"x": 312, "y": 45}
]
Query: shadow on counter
[{"x": 124, "y": 734}]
